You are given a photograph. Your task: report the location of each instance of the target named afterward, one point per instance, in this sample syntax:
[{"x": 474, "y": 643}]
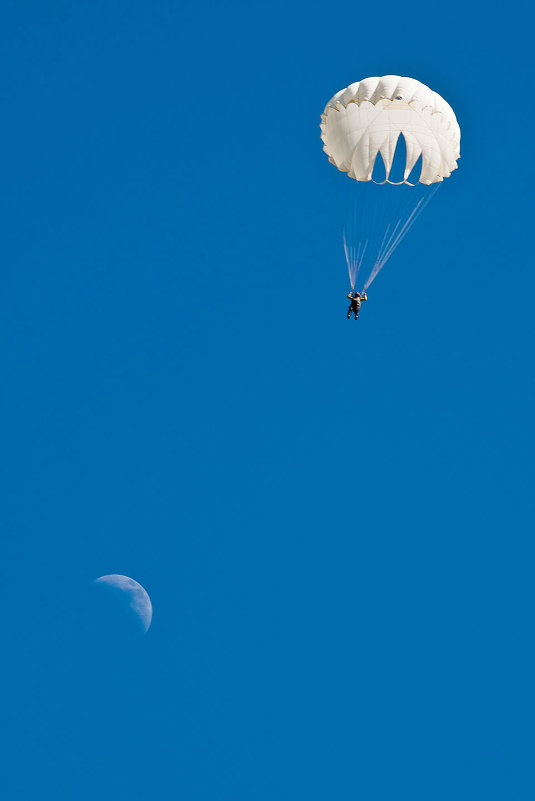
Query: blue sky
[{"x": 334, "y": 521}]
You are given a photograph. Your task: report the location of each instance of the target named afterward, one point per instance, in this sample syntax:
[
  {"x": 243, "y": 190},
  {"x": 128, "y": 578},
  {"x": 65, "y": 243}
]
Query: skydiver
[{"x": 354, "y": 306}]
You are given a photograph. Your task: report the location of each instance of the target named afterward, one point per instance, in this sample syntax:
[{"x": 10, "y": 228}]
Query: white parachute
[{"x": 417, "y": 135}]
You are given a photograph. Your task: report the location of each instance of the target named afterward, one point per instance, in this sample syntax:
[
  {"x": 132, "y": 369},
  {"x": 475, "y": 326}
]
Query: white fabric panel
[{"x": 369, "y": 116}]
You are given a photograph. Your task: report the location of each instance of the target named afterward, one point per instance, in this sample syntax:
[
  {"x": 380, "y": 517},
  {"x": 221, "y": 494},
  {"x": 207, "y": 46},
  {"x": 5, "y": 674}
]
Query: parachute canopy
[{"x": 368, "y": 117}]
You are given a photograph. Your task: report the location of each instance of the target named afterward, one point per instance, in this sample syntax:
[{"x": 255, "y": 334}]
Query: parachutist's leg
[{"x": 349, "y": 313}]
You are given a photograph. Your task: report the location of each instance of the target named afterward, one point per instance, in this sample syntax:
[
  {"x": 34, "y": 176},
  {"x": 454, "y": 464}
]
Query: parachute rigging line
[
  {"x": 400, "y": 231},
  {"x": 376, "y": 221}
]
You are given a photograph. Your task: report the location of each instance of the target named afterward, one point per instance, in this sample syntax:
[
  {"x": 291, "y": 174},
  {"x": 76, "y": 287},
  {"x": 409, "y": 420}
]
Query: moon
[{"x": 131, "y": 594}]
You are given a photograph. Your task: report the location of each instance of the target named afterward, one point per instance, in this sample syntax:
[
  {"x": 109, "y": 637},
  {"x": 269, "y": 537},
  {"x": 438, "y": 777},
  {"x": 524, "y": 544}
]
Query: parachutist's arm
[
  {"x": 364, "y": 296},
  {"x": 350, "y": 296}
]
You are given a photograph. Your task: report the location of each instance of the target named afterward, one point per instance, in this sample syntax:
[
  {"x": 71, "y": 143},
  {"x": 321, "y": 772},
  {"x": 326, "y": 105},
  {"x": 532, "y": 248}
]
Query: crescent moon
[{"x": 137, "y": 597}]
